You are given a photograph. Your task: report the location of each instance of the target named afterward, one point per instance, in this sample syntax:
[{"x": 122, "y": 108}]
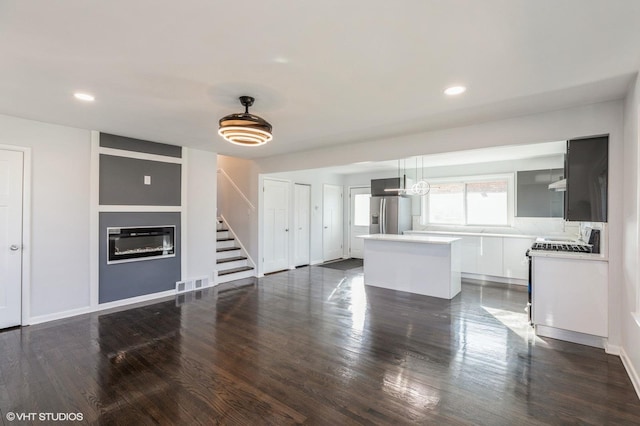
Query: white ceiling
[{"x": 322, "y": 73}]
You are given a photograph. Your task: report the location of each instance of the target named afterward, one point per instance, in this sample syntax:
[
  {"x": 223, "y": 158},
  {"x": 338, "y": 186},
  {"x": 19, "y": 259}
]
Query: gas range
[{"x": 564, "y": 246}]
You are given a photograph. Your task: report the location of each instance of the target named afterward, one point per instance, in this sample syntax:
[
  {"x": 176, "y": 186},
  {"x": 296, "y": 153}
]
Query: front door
[
  {"x": 276, "y": 225},
  {"x": 332, "y": 222},
  {"x": 10, "y": 238},
  {"x": 358, "y": 219}
]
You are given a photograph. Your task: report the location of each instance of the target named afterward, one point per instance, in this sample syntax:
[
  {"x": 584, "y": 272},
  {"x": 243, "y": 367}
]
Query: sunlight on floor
[{"x": 515, "y": 322}]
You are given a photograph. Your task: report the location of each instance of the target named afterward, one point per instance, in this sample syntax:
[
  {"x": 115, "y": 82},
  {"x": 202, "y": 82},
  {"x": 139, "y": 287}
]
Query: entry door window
[{"x": 361, "y": 207}]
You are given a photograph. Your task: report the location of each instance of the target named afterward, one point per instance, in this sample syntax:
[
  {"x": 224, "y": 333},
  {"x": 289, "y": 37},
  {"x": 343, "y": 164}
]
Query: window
[
  {"x": 468, "y": 201},
  {"x": 361, "y": 205}
]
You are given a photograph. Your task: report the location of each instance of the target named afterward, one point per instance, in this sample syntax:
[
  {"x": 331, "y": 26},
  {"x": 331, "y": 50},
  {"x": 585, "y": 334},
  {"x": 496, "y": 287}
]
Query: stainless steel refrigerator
[{"x": 389, "y": 214}]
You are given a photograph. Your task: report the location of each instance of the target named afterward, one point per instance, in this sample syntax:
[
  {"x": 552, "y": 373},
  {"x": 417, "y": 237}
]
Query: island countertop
[{"x": 424, "y": 239}]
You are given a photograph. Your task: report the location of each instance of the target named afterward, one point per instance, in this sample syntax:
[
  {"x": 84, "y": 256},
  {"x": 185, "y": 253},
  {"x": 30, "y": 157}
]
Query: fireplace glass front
[{"x": 128, "y": 244}]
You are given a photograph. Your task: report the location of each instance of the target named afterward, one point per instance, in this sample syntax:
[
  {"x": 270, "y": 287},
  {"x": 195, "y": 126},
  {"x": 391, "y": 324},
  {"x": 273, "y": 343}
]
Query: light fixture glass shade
[{"x": 245, "y": 129}]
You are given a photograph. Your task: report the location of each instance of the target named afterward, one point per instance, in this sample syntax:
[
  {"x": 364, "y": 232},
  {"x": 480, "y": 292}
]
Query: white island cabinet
[{"x": 413, "y": 263}]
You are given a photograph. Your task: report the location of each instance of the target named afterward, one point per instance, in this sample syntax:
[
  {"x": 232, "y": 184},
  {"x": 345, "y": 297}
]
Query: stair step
[
  {"x": 234, "y": 270},
  {"x": 225, "y": 239},
  {"x": 222, "y": 230},
  {"x": 221, "y": 249},
  {"x": 231, "y": 259}
]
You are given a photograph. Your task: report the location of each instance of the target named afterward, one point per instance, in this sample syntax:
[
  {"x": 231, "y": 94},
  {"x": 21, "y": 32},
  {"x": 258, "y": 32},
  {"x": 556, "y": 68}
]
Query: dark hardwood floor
[{"x": 313, "y": 346}]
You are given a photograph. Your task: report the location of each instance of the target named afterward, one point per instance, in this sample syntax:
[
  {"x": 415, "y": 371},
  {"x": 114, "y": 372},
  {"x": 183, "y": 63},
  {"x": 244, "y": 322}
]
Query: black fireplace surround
[{"x": 129, "y": 244}]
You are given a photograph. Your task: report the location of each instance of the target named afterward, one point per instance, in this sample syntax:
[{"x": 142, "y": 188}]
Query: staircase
[{"x": 232, "y": 262}]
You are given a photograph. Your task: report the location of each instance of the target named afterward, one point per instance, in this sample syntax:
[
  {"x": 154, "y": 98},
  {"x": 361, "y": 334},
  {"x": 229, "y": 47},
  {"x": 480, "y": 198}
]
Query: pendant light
[{"x": 243, "y": 128}]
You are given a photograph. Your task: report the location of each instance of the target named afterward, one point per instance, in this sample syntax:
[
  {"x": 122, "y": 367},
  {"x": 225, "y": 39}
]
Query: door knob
[
  {"x": 286, "y": 230},
  {"x": 14, "y": 247},
  {"x": 326, "y": 227}
]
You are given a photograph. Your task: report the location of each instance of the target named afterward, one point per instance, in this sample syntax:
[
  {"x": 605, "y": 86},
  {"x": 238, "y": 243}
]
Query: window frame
[{"x": 464, "y": 180}]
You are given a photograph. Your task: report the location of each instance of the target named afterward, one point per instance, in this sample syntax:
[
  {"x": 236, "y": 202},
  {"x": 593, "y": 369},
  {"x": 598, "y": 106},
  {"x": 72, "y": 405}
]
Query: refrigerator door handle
[{"x": 383, "y": 216}]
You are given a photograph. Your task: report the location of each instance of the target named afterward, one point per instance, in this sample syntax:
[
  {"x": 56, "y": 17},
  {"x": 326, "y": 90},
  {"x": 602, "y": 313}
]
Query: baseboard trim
[
  {"x": 570, "y": 336},
  {"x": 502, "y": 280},
  {"x": 631, "y": 371},
  {"x": 59, "y": 315},
  {"x": 612, "y": 349},
  {"x": 101, "y": 307}
]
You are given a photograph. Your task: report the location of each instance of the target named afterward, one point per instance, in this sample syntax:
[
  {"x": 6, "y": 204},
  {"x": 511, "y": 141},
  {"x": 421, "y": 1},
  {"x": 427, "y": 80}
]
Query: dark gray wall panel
[
  {"x": 139, "y": 145},
  {"x": 122, "y": 182},
  {"x": 123, "y": 280},
  {"x": 534, "y": 198}
]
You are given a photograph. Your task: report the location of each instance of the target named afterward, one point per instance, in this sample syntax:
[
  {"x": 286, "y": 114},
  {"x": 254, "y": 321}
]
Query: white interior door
[
  {"x": 302, "y": 226},
  {"x": 276, "y": 225},
  {"x": 359, "y": 199},
  {"x": 10, "y": 238},
  {"x": 332, "y": 222}
]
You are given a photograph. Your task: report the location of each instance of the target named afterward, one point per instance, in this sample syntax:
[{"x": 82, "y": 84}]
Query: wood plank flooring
[{"x": 312, "y": 346}]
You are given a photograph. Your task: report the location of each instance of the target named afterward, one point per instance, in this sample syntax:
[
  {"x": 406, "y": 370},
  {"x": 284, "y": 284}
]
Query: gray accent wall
[
  {"x": 124, "y": 280},
  {"x": 122, "y": 182},
  {"x": 137, "y": 145}
]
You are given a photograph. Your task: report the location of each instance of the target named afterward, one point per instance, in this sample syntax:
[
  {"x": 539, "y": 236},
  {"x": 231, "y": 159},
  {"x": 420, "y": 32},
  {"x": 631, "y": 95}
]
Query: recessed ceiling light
[
  {"x": 84, "y": 97},
  {"x": 454, "y": 90}
]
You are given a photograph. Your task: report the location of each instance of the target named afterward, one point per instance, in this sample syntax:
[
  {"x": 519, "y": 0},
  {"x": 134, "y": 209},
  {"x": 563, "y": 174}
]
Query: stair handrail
[{"x": 238, "y": 190}]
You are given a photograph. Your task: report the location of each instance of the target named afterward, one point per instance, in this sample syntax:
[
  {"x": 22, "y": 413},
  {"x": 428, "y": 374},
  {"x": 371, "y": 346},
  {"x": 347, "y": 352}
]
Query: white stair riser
[
  {"x": 236, "y": 276},
  {"x": 224, "y": 244},
  {"x": 230, "y": 265},
  {"x": 223, "y": 234},
  {"x": 225, "y": 254}
]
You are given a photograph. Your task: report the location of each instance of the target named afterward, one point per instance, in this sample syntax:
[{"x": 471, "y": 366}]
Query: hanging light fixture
[{"x": 245, "y": 129}]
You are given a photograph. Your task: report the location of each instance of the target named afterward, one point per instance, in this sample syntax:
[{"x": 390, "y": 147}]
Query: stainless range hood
[{"x": 560, "y": 185}]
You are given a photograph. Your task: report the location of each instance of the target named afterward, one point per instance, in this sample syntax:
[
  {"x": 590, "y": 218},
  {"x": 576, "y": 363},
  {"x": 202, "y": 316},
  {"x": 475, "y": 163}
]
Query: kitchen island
[{"x": 413, "y": 263}]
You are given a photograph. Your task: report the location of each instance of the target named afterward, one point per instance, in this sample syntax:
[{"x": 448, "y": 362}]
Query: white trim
[
  {"x": 139, "y": 155},
  {"x": 183, "y": 214},
  {"x": 246, "y": 253},
  {"x": 631, "y": 371},
  {"x": 636, "y": 317},
  {"x": 104, "y": 306},
  {"x": 26, "y": 235},
  {"x": 502, "y": 280},
  {"x": 571, "y": 336},
  {"x": 134, "y": 208},
  {"x": 94, "y": 219},
  {"x": 612, "y": 349},
  {"x": 238, "y": 190}
]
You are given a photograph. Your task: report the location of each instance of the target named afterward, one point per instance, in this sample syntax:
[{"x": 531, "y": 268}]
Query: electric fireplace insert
[{"x": 129, "y": 244}]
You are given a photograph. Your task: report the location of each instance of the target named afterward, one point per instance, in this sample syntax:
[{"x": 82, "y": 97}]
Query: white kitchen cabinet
[
  {"x": 514, "y": 260},
  {"x": 489, "y": 255},
  {"x": 570, "y": 294},
  {"x": 470, "y": 249}
]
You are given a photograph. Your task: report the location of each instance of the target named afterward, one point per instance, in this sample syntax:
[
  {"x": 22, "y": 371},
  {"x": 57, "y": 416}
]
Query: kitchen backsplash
[{"x": 521, "y": 226}]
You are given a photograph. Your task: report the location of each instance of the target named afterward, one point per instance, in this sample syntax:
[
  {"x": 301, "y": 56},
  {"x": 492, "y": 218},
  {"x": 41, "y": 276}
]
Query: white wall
[
  {"x": 201, "y": 213},
  {"x": 59, "y": 245},
  {"x": 240, "y": 181},
  {"x": 631, "y": 237}
]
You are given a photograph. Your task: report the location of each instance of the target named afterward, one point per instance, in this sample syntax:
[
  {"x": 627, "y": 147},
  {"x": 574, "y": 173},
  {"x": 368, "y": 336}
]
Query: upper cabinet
[{"x": 587, "y": 179}]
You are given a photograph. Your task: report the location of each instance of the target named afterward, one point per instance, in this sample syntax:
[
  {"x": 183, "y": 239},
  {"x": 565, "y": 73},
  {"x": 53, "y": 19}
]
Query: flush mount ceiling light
[
  {"x": 454, "y": 90},
  {"x": 245, "y": 129},
  {"x": 84, "y": 97}
]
